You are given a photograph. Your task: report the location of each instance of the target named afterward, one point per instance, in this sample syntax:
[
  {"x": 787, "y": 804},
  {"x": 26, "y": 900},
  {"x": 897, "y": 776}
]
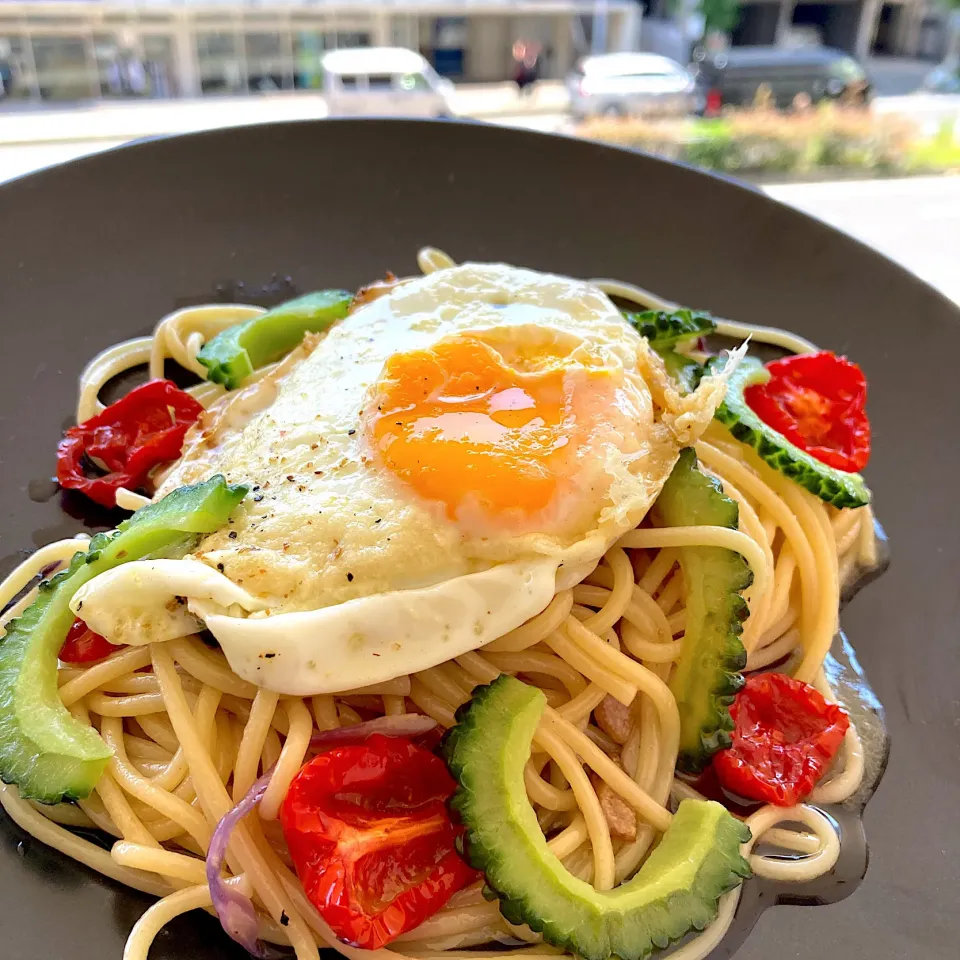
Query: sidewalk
[
  {"x": 914, "y": 221},
  {"x": 929, "y": 111},
  {"x": 130, "y": 120},
  {"x": 896, "y": 76},
  {"x": 483, "y": 100}
]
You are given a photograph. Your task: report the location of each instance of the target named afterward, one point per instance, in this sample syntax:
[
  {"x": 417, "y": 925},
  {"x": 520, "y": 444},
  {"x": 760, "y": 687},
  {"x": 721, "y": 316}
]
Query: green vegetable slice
[
  {"x": 686, "y": 372},
  {"x": 666, "y": 329},
  {"x": 675, "y": 891},
  {"x": 43, "y": 749},
  {"x": 708, "y": 672},
  {"x": 231, "y": 356},
  {"x": 829, "y": 484}
]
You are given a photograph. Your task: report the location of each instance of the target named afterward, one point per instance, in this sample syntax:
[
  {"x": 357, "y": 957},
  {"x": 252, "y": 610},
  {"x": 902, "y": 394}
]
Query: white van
[{"x": 384, "y": 81}]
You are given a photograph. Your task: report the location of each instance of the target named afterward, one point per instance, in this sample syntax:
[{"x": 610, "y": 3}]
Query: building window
[
  {"x": 308, "y": 47},
  {"x": 221, "y": 68},
  {"x": 267, "y": 67},
  {"x": 120, "y": 67},
  {"x": 160, "y": 63},
  {"x": 63, "y": 70},
  {"x": 447, "y": 49},
  {"x": 405, "y": 32},
  {"x": 347, "y": 38},
  {"x": 415, "y": 81},
  {"x": 16, "y": 81}
]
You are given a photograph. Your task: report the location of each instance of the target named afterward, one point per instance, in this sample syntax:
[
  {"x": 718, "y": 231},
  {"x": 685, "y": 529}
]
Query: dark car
[{"x": 821, "y": 73}]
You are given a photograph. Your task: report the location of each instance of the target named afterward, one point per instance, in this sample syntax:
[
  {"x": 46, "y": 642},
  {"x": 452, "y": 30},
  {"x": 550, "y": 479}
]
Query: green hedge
[{"x": 764, "y": 141}]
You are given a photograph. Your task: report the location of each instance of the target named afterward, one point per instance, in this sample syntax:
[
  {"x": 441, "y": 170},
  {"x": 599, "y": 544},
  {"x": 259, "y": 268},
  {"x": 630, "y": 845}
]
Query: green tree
[{"x": 721, "y": 16}]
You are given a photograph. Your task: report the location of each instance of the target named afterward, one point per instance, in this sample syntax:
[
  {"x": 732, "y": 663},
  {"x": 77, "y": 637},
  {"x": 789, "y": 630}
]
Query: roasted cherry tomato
[
  {"x": 817, "y": 401},
  {"x": 785, "y": 736},
  {"x": 372, "y": 841},
  {"x": 130, "y": 438},
  {"x": 84, "y": 646}
]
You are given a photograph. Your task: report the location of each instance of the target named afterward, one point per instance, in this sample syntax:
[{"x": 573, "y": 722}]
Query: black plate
[{"x": 98, "y": 250}]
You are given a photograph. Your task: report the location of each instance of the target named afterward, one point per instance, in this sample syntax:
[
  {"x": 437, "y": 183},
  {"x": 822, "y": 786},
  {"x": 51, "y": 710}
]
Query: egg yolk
[{"x": 487, "y": 436}]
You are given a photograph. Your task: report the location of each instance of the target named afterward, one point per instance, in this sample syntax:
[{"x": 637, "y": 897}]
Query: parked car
[
  {"x": 944, "y": 79},
  {"x": 733, "y": 76},
  {"x": 631, "y": 84},
  {"x": 384, "y": 81}
]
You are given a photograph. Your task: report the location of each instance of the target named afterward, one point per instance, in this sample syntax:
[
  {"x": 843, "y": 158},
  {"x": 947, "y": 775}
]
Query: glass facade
[
  {"x": 308, "y": 48},
  {"x": 160, "y": 65},
  {"x": 230, "y": 47},
  {"x": 17, "y": 76},
  {"x": 128, "y": 66},
  {"x": 64, "y": 68},
  {"x": 130, "y": 55},
  {"x": 221, "y": 68},
  {"x": 268, "y": 60}
]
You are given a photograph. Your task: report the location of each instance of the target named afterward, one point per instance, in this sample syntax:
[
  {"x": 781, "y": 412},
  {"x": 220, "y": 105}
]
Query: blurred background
[{"x": 847, "y": 109}]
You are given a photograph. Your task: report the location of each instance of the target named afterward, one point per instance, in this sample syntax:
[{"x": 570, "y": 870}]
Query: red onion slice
[
  {"x": 237, "y": 915},
  {"x": 402, "y": 725}
]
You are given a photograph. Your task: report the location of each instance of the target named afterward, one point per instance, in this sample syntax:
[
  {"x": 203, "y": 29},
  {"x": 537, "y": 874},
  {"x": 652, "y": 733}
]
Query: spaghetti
[{"x": 190, "y": 737}]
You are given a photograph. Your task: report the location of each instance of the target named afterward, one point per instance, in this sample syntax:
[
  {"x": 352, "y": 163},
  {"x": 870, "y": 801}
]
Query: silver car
[{"x": 631, "y": 84}]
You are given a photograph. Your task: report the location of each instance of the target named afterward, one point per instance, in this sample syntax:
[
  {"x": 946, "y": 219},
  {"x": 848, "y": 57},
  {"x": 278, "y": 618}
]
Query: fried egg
[{"x": 424, "y": 478}]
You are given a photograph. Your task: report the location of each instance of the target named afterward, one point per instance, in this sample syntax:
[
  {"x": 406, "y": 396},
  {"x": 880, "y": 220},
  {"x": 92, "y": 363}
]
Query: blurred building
[
  {"x": 78, "y": 49},
  {"x": 912, "y": 28}
]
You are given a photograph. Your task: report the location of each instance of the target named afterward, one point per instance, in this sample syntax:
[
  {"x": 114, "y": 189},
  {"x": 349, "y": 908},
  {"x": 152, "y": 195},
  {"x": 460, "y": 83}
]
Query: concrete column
[
  {"x": 90, "y": 56},
  {"x": 911, "y": 41},
  {"x": 866, "y": 28},
  {"x": 601, "y": 17},
  {"x": 488, "y": 48},
  {"x": 289, "y": 57},
  {"x": 185, "y": 50},
  {"x": 902, "y": 30},
  {"x": 625, "y": 29},
  {"x": 784, "y": 20},
  {"x": 30, "y": 63},
  {"x": 241, "y": 45},
  {"x": 381, "y": 31},
  {"x": 404, "y": 27},
  {"x": 562, "y": 43}
]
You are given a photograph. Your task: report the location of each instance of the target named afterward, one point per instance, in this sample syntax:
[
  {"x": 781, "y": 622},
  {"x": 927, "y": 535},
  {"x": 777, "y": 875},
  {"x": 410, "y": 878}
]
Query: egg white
[
  {"x": 353, "y": 644},
  {"x": 347, "y": 578}
]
